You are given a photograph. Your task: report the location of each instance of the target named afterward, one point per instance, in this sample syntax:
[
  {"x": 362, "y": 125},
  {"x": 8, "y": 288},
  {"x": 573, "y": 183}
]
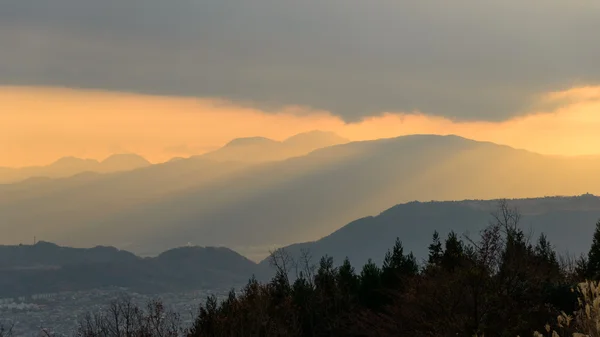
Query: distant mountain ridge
[
  {"x": 45, "y": 268},
  {"x": 46, "y": 254},
  {"x": 248, "y": 206},
  {"x": 245, "y": 150},
  {"x": 250, "y": 141},
  {"x": 69, "y": 166},
  {"x": 568, "y": 222},
  {"x": 261, "y": 149},
  {"x": 313, "y": 195}
]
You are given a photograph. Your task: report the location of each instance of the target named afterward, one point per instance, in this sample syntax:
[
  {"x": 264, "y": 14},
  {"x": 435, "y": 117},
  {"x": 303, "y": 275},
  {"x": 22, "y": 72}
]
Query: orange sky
[{"x": 40, "y": 125}]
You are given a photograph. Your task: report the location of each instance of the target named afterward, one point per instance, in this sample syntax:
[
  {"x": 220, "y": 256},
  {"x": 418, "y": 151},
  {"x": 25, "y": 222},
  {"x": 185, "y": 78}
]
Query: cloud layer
[{"x": 462, "y": 60}]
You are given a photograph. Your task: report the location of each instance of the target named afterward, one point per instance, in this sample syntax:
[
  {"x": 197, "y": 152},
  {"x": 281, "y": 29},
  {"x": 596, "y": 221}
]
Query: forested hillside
[
  {"x": 47, "y": 268},
  {"x": 498, "y": 282},
  {"x": 564, "y": 220}
]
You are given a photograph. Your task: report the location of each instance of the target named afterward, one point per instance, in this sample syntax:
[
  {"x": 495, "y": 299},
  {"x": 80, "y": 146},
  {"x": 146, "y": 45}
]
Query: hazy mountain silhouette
[
  {"x": 49, "y": 255},
  {"x": 122, "y": 162},
  {"x": 278, "y": 203},
  {"x": 69, "y": 166},
  {"x": 315, "y": 139},
  {"x": 251, "y": 141},
  {"x": 46, "y": 267},
  {"x": 246, "y": 150},
  {"x": 568, "y": 222},
  {"x": 69, "y": 205},
  {"x": 260, "y": 149}
]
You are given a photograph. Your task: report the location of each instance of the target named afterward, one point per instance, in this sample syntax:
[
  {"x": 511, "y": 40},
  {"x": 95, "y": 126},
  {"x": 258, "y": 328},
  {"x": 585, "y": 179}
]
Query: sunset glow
[{"x": 39, "y": 125}]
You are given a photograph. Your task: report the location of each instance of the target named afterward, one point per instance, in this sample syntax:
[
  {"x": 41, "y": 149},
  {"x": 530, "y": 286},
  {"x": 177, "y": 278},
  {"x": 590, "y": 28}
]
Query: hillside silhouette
[
  {"x": 501, "y": 281},
  {"x": 564, "y": 220},
  {"x": 244, "y": 206},
  {"x": 46, "y": 268},
  {"x": 69, "y": 166}
]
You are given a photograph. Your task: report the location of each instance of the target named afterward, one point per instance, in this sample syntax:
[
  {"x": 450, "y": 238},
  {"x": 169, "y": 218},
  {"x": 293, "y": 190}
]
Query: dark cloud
[{"x": 462, "y": 59}]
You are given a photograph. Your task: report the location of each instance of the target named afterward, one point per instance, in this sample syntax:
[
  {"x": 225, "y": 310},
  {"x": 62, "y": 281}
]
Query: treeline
[{"x": 501, "y": 283}]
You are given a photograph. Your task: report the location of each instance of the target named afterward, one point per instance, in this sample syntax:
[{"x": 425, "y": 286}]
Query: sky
[
  {"x": 39, "y": 125},
  {"x": 180, "y": 77}
]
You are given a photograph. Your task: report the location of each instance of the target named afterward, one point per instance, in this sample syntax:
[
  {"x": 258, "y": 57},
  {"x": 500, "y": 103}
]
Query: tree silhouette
[
  {"x": 496, "y": 285},
  {"x": 435, "y": 250},
  {"x": 593, "y": 262}
]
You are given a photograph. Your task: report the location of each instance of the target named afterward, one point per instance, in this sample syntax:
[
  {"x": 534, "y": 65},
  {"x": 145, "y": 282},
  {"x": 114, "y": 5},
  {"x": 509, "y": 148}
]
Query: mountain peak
[
  {"x": 72, "y": 161},
  {"x": 250, "y": 141},
  {"x": 121, "y": 157},
  {"x": 124, "y": 162},
  {"x": 46, "y": 244},
  {"x": 325, "y": 138},
  {"x": 261, "y": 149}
]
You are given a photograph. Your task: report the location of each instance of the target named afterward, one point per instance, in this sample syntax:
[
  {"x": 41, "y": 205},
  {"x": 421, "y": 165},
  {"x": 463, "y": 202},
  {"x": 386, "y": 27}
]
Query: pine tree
[
  {"x": 547, "y": 255},
  {"x": 397, "y": 266},
  {"x": 325, "y": 279},
  {"x": 395, "y": 258},
  {"x": 303, "y": 298},
  {"x": 347, "y": 279},
  {"x": 280, "y": 286},
  {"x": 370, "y": 285},
  {"x": 594, "y": 255},
  {"x": 544, "y": 250},
  {"x": 435, "y": 250},
  {"x": 410, "y": 267},
  {"x": 453, "y": 253}
]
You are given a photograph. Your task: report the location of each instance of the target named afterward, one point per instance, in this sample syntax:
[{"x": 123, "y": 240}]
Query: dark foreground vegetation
[{"x": 501, "y": 283}]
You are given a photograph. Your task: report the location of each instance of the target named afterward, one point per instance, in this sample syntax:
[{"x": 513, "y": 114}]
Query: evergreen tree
[
  {"x": 347, "y": 280},
  {"x": 522, "y": 283},
  {"x": 303, "y": 299},
  {"x": 370, "y": 285},
  {"x": 547, "y": 256},
  {"x": 280, "y": 286},
  {"x": 397, "y": 267},
  {"x": 435, "y": 250},
  {"x": 394, "y": 259},
  {"x": 594, "y": 255},
  {"x": 325, "y": 278},
  {"x": 453, "y": 252},
  {"x": 544, "y": 250},
  {"x": 325, "y": 284},
  {"x": 410, "y": 267}
]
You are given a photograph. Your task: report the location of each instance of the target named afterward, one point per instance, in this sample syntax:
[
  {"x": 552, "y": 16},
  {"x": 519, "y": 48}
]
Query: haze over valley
[
  {"x": 244, "y": 168},
  {"x": 244, "y": 196}
]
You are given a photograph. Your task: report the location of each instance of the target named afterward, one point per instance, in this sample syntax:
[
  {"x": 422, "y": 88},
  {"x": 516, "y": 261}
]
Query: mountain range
[
  {"x": 253, "y": 206},
  {"x": 242, "y": 150},
  {"x": 69, "y": 166},
  {"x": 260, "y": 149},
  {"x": 568, "y": 222}
]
